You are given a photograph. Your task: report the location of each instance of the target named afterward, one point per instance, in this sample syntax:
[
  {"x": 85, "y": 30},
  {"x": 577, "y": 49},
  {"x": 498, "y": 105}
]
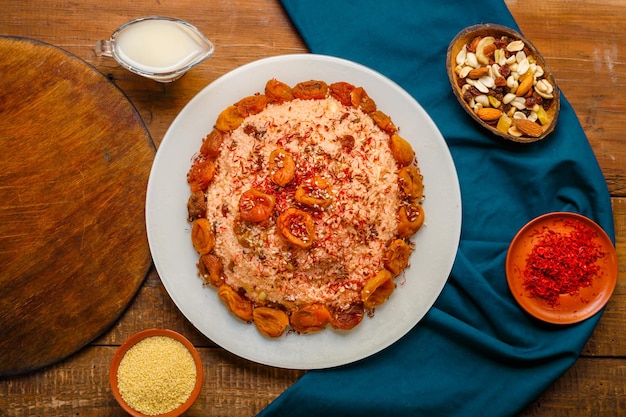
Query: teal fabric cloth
[{"x": 476, "y": 353}]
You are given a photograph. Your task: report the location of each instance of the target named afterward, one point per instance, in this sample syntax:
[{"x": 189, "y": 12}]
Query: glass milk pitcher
[{"x": 157, "y": 47}]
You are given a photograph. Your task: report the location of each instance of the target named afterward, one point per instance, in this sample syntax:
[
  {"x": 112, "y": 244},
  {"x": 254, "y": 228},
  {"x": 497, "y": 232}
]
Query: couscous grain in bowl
[{"x": 156, "y": 372}]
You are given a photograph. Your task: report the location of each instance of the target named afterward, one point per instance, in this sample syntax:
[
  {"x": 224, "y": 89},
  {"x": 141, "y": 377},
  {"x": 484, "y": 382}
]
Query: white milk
[{"x": 159, "y": 46}]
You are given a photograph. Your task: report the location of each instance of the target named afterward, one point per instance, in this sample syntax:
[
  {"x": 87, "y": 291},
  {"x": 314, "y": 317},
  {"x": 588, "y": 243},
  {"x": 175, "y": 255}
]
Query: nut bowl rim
[
  {"x": 497, "y": 29},
  {"x": 132, "y": 341}
]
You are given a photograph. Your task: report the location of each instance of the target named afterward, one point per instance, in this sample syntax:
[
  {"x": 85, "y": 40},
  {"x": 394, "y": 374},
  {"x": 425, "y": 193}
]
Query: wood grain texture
[
  {"x": 73, "y": 168},
  {"x": 584, "y": 44}
]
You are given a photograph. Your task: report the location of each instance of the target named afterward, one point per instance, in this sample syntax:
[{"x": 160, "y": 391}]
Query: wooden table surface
[{"x": 585, "y": 46}]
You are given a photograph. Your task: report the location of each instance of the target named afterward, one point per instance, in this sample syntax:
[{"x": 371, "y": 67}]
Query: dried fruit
[
  {"x": 410, "y": 182},
  {"x": 278, "y": 92},
  {"x": 310, "y": 90},
  {"x": 410, "y": 219},
  {"x": 401, "y": 150},
  {"x": 383, "y": 121},
  {"x": 397, "y": 256},
  {"x": 311, "y": 318},
  {"x": 504, "y": 123},
  {"x": 361, "y": 100},
  {"x": 251, "y": 105},
  {"x": 211, "y": 269},
  {"x": 229, "y": 119},
  {"x": 211, "y": 144},
  {"x": 238, "y": 304},
  {"x": 282, "y": 167},
  {"x": 315, "y": 193},
  {"x": 256, "y": 206},
  {"x": 378, "y": 289},
  {"x": 202, "y": 236},
  {"x": 346, "y": 319},
  {"x": 297, "y": 226},
  {"x": 542, "y": 116},
  {"x": 270, "y": 321}
]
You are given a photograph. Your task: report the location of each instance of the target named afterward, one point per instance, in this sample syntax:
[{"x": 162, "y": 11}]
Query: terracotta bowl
[
  {"x": 489, "y": 119},
  {"x": 570, "y": 308},
  {"x": 132, "y": 341}
]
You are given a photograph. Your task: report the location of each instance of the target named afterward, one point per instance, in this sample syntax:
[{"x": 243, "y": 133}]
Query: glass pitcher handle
[{"x": 104, "y": 48}]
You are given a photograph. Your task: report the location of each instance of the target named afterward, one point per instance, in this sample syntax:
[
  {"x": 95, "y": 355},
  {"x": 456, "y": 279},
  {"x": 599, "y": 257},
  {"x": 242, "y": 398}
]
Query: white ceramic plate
[{"x": 175, "y": 259}]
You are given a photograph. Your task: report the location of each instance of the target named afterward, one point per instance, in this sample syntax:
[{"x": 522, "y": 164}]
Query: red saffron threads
[{"x": 562, "y": 262}]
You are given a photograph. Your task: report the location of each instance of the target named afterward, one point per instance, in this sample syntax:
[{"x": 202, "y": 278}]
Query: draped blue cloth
[{"x": 476, "y": 353}]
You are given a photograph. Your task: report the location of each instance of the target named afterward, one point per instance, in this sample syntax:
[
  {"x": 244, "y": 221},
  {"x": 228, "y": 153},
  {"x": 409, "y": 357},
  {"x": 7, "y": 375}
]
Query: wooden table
[{"x": 584, "y": 44}]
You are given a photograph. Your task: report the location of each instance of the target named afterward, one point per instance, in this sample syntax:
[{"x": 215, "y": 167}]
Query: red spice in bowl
[
  {"x": 156, "y": 373},
  {"x": 561, "y": 268}
]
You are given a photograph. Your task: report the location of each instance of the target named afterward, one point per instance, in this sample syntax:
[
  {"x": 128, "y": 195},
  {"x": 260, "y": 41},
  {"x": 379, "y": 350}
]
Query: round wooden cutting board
[{"x": 74, "y": 164}]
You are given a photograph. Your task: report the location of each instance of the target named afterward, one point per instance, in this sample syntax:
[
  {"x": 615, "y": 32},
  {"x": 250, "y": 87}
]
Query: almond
[
  {"x": 529, "y": 128},
  {"x": 476, "y": 73},
  {"x": 489, "y": 114},
  {"x": 524, "y": 86},
  {"x": 474, "y": 43}
]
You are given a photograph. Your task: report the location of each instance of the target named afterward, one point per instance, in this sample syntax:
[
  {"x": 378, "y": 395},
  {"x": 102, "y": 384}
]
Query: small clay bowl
[
  {"x": 132, "y": 341},
  {"x": 535, "y": 133},
  {"x": 570, "y": 308}
]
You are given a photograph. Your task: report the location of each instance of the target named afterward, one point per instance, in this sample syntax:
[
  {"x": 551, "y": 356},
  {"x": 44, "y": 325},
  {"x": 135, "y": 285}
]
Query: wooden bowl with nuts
[{"x": 503, "y": 82}]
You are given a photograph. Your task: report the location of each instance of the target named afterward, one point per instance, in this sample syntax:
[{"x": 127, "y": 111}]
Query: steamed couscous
[
  {"x": 302, "y": 203},
  {"x": 157, "y": 375}
]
